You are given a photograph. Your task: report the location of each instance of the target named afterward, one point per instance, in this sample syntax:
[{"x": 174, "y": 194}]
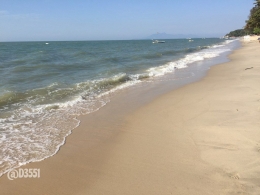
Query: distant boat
[
  {"x": 47, "y": 43},
  {"x": 156, "y": 41},
  {"x": 190, "y": 40}
]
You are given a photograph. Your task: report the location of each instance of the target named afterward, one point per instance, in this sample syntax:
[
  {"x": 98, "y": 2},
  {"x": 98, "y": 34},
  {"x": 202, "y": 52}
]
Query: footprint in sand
[{"x": 235, "y": 176}]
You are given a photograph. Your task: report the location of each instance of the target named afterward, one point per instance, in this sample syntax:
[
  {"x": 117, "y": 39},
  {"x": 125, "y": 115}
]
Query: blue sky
[{"x": 47, "y": 20}]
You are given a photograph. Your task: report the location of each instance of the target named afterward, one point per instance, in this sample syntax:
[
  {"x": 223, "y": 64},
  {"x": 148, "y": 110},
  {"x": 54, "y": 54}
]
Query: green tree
[
  {"x": 254, "y": 17},
  {"x": 237, "y": 33},
  {"x": 256, "y": 31},
  {"x": 257, "y": 3}
]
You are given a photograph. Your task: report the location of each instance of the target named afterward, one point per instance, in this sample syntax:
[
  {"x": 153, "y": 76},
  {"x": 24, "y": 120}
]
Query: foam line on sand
[{"x": 203, "y": 138}]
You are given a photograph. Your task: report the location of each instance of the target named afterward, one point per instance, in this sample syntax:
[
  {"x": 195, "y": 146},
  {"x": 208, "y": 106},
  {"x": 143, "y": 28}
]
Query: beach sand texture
[{"x": 203, "y": 138}]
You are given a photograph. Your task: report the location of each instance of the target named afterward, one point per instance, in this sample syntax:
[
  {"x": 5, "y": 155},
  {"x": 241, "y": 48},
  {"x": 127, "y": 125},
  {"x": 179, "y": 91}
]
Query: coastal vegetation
[
  {"x": 252, "y": 24},
  {"x": 237, "y": 33}
]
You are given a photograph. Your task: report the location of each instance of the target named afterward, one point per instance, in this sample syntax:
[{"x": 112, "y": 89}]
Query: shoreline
[
  {"x": 48, "y": 123},
  {"x": 178, "y": 143}
]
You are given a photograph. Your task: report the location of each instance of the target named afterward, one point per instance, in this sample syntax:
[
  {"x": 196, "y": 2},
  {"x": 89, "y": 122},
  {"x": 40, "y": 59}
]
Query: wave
[
  {"x": 35, "y": 123},
  {"x": 184, "y": 62}
]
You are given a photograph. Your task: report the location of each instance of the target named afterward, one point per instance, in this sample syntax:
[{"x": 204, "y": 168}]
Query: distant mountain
[
  {"x": 182, "y": 36},
  {"x": 171, "y": 36}
]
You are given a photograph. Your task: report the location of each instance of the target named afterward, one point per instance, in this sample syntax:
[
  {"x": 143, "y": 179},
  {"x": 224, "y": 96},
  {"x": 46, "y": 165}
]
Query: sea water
[{"x": 45, "y": 86}]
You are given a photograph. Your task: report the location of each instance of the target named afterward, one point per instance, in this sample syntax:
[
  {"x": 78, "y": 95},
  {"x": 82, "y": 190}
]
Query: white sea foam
[
  {"x": 35, "y": 132},
  {"x": 212, "y": 52}
]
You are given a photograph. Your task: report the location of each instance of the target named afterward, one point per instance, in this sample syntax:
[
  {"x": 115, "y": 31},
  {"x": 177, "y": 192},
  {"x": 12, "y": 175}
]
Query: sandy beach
[{"x": 203, "y": 138}]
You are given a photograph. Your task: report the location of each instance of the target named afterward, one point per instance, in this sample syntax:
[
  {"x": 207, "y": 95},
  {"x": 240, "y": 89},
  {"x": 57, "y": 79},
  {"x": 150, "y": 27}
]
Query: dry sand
[
  {"x": 254, "y": 38},
  {"x": 201, "y": 139}
]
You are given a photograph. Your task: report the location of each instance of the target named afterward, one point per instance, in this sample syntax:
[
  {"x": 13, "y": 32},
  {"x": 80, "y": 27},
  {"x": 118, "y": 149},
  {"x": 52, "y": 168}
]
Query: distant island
[{"x": 177, "y": 36}]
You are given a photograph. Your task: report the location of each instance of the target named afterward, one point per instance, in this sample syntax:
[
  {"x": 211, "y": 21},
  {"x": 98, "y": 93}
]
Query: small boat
[
  {"x": 190, "y": 40},
  {"x": 156, "y": 41}
]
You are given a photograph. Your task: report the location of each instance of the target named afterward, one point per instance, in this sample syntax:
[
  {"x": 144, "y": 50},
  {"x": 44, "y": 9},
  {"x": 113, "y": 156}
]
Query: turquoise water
[{"x": 43, "y": 86}]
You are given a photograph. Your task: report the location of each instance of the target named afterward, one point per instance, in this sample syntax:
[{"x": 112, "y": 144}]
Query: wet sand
[{"x": 203, "y": 138}]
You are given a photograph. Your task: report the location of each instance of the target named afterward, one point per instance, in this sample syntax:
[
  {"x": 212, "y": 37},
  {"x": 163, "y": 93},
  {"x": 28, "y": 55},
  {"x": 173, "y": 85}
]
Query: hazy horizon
[{"x": 136, "y": 39}]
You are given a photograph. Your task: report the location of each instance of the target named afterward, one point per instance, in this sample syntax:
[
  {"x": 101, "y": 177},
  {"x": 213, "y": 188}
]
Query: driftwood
[{"x": 249, "y": 68}]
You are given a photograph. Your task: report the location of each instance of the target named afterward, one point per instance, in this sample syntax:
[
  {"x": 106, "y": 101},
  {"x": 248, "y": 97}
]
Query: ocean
[{"x": 44, "y": 86}]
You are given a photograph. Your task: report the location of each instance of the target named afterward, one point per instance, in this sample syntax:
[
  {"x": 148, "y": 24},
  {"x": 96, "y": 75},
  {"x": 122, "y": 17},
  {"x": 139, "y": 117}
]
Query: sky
[{"x": 61, "y": 20}]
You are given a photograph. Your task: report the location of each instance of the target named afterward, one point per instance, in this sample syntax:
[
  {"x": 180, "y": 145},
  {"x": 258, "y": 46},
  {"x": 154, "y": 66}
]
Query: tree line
[{"x": 252, "y": 24}]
